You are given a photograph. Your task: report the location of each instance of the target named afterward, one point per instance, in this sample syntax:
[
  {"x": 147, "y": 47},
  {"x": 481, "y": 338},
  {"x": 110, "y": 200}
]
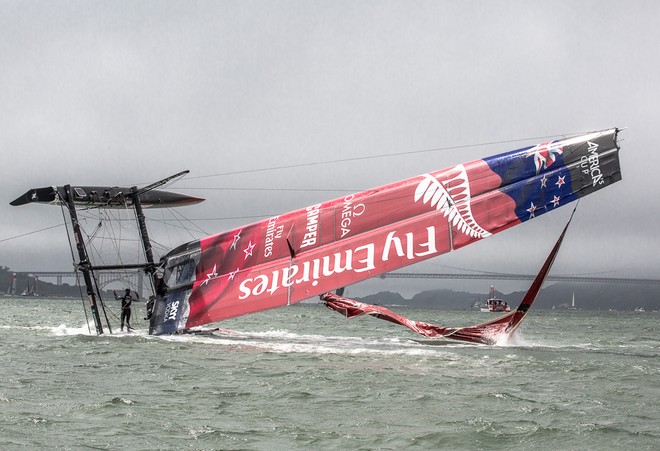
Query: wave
[{"x": 284, "y": 341}]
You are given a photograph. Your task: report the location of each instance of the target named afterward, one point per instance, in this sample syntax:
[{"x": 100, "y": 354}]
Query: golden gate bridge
[
  {"x": 508, "y": 276},
  {"x": 136, "y": 278}
]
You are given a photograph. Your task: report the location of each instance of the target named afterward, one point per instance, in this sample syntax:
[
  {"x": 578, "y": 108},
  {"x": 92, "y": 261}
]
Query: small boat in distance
[
  {"x": 572, "y": 307},
  {"x": 31, "y": 289},
  {"x": 495, "y": 305}
]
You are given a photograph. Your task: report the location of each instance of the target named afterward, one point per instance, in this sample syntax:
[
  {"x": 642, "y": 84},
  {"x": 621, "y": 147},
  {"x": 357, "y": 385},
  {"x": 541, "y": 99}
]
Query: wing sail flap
[{"x": 489, "y": 332}]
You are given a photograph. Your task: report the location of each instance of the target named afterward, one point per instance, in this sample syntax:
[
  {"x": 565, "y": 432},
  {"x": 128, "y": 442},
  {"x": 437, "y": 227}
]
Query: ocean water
[{"x": 304, "y": 377}]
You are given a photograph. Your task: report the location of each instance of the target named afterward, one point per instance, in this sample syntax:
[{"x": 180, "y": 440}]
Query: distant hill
[
  {"x": 23, "y": 281},
  {"x": 595, "y": 296},
  {"x": 587, "y": 297},
  {"x": 426, "y": 299}
]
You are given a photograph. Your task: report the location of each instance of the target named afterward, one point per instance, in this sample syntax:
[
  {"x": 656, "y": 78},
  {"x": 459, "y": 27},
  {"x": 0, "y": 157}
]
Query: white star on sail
[
  {"x": 531, "y": 210},
  {"x": 555, "y": 201},
  {"x": 210, "y": 276},
  {"x": 233, "y": 274},
  {"x": 248, "y": 250},
  {"x": 560, "y": 181},
  {"x": 236, "y": 238}
]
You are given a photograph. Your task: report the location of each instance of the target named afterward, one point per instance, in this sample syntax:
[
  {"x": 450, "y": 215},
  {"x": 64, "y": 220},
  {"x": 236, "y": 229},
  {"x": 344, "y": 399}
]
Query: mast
[
  {"x": 144, "y": 234},
  {"x": 84, "y": 264}
]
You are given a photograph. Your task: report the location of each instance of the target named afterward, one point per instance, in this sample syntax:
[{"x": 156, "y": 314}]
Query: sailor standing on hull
[{"x": 126, "y": 301}]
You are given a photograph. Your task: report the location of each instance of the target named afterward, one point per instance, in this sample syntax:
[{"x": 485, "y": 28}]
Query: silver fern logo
[{"x": 452, "y": 198}]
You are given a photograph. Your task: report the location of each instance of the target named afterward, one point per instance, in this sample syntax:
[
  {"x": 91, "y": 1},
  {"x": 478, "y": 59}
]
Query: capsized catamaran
[{"x": 308, "y": 252}]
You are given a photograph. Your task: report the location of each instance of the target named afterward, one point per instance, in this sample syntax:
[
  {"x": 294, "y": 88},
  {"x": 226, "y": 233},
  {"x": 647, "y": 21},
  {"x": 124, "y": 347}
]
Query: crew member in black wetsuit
[{"x": 126, "y": 301}]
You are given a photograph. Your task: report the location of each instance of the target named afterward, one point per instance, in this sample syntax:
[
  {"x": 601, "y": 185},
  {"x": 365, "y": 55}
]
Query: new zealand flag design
[
  {"x": 535, "y": 178},
  {"x": 541, "y": 178}
]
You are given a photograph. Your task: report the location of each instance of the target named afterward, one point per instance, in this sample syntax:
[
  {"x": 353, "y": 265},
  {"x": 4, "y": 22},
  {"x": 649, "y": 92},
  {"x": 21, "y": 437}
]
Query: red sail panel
[
  {"x": 488, "y": 332},
  {"x": 288, "y": 280},
  {"x": 398, "y": 233},
  {"x": 351, "y": 308}
]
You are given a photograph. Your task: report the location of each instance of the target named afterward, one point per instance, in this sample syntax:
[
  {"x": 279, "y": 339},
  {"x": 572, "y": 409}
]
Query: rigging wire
[
  {"x": 180, "y": 215},
  {"x": 370, "y": 157},
  {"x": 106, "y": 224},
  {"x": 93, "y": 274},
  {"x": 98, "y": 291},
  {"x": 145, "y": 252},
  {"x": 30, "y": 233},
  {"x": 73, "y": 260},
  {"x": 317, "y": 163},
  {"x": 94, "y": 232},
  {"x": 176, "y": 222},
  {"x": 114, "y": 239},
  {"x": 302, "y": 190}
]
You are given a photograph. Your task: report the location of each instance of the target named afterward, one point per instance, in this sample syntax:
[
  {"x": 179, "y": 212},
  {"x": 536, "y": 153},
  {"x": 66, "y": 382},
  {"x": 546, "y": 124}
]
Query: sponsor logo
[
  {"x": 273, "y": 232},
  {"x": 312, "y": 228},
  {"x": 591, "y": 164},
  {"x": 357, "y": 260},
  {"x": 349, "y": 212},
  {"x": 171, "y": 311}
]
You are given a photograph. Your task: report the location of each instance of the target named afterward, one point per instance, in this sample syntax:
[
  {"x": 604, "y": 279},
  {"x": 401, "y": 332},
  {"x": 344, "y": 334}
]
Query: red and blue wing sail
[{"x": 307, "y": 252}]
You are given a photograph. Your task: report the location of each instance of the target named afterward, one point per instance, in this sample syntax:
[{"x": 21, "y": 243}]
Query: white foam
[
  {"x": 87, "y": 329},
  {"x": 64, "y": 330},
  {"x": 283, "y": 341}
]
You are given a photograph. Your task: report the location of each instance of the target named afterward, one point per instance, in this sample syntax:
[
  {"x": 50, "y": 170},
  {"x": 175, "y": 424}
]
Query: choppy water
[{"x": 305, "y": 378}]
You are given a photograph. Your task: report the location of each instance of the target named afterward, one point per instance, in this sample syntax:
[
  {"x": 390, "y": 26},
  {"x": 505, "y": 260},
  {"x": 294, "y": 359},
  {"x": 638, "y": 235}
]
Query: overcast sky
[{"x": 128, "y": 92}]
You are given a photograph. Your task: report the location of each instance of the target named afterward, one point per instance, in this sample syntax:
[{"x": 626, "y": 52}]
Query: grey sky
[{"x": 129, "y": 92}]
